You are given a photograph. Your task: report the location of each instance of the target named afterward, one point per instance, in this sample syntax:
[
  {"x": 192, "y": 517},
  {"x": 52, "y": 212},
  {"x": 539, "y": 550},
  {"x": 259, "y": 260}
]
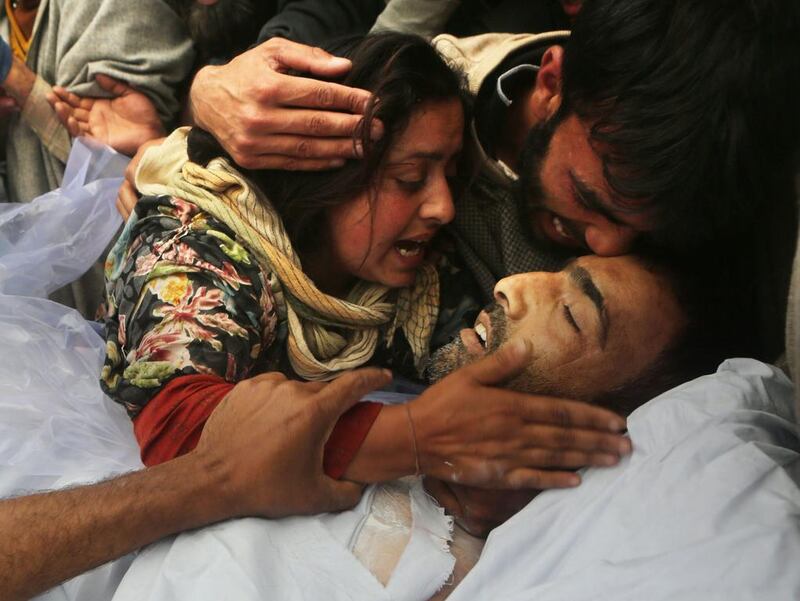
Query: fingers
[
  {"x": 340, "y": 495},
  {"x": 126, "y": 199},
  {"x": 287, "y": 55},
  {"x": 303, "y": 147},
  {"x": 346, "y": 390},
  {"x": 306, "y": 122},
  {"x": 111, "y": 85},
  {"x": 540, "y": 479},
  {"x": 566, "y": 413},
  {"x": 73, "y": 100},
  {"x": 550, "y": 458},
  {"x": 508, "y": 361},
  {"x": 62, "y": 111},
  {"x": 550, "y": 437},
  {"x": 312, "y": 93}
]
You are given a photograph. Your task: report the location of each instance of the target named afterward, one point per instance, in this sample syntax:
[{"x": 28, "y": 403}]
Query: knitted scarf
[{"x": 327, "y": 335}]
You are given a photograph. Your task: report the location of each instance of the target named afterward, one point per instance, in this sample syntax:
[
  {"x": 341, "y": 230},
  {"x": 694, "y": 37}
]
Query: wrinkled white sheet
[
  {"x": 53, "y": 240},
  {"x": 707, "y": 507},
  {"x": 56, "y": 427}
]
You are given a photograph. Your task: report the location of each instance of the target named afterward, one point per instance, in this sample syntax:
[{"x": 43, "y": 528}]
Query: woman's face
[{"x": 385, "y": 241}]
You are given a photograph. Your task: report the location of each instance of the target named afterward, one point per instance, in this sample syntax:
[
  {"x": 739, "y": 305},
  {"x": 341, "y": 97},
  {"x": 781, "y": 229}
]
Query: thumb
[
  {"x": 111, "y": 85},
  {"x": 341, "y": 494},
  {"x": 345, "y": 391},
  {"x": 505, "y": 363}
]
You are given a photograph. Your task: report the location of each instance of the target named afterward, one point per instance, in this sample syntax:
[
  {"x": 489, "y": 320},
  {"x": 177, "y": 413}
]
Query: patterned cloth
[{"x": 183, "y": 298}]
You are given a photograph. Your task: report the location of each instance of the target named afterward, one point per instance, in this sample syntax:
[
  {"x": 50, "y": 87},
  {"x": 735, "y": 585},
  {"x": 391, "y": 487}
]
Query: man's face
[
  {"x": 592, "y": 327},
  {"x": 570, "y": 203}
]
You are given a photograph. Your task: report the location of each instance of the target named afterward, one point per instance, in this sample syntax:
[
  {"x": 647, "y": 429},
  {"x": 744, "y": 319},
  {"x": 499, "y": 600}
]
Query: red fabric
[
  {"x": 171, "y": 423},
  {"x": 347, "y": 437}
]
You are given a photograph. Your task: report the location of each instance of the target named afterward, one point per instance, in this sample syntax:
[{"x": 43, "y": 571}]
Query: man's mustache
[{"x": 498, "y": 323}]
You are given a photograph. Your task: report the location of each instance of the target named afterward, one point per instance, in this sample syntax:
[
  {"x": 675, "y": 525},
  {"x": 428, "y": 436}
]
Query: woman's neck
[{"x": 330, "y": 278}]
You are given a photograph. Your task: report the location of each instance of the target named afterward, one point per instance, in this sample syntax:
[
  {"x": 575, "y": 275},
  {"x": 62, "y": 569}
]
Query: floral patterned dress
[{"x": 185, "y": 298}]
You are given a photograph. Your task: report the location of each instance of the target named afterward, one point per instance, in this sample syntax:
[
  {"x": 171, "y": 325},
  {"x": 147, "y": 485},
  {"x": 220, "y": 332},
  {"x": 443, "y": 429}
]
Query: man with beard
[{"x": 615, "y": 331}]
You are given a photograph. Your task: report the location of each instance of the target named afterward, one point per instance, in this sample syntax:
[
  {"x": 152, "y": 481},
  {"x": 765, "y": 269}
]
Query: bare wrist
[
  {"x": 19, "y": 82},
  {"x": 202, "y": 79},
  {"x": 388, "y": 449}
]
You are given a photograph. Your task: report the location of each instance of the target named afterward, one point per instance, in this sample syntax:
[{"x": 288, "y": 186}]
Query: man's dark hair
[
  {"x": 225, "y": 28},
  {"x": 692, "y": 106},
  {"x": 402, "y": 71}
]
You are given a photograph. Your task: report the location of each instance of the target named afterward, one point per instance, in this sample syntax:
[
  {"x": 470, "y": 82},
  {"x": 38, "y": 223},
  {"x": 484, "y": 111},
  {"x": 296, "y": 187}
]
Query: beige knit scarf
[{"x": 316, "y": 350}]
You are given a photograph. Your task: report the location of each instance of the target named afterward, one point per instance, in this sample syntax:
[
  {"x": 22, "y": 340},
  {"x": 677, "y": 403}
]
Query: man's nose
[
  {"x": 513, "y": 293},
  {"x": 609, "y": 239},
  {"x": 439, "y": 206}
]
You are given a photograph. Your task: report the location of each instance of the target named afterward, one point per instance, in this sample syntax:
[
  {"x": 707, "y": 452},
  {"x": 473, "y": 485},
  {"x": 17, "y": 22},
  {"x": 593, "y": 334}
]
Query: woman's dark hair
[{"x": 402, "y": 71}]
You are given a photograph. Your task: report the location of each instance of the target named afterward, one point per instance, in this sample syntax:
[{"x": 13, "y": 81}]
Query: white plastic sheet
[
  {"x": 54, "y": 239},
  {"x": 56, "y": 427}
]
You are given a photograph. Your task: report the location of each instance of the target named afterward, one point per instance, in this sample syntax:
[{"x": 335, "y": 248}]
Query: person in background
[{"x": 82, "y": 46}]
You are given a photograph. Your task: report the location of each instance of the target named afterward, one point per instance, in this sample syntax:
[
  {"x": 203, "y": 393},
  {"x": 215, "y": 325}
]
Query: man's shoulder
[{"x": 477, "y": 56}]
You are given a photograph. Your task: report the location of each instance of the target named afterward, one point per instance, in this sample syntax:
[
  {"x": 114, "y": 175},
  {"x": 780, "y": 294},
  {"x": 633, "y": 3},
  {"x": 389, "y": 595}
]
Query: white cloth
[
  {"x": 706, "y": 508},
  {"x": 293, "y": 559}
]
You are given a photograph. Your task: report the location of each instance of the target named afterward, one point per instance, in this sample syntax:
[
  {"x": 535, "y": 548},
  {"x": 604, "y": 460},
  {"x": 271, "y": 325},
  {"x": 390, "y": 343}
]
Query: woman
[{"x": 211, "y": 282}]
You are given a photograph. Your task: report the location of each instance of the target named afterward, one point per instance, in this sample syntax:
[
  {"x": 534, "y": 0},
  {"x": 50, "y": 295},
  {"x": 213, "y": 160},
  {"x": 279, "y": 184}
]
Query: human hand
[
  {"x": 127, "y": 196},
  {"x": 124, "y": 122},
  {"x": 470, "y": 431},
  {"x": 267, "y": 119},
  {"x": 266, "y": 442},
  {"x": 478, "y": 510}
]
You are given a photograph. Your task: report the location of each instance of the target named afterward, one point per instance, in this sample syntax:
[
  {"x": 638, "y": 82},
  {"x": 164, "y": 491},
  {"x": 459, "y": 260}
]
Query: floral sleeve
[{"x": 184, "y": 297}]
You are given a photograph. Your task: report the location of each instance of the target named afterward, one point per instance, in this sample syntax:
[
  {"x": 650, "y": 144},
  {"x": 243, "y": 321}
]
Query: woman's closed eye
[{"x": 412, "y": 183}]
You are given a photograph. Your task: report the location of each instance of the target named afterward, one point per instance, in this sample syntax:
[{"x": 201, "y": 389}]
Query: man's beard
[
  {"x": 222, "y": 29},
  {"x": 454, "y": 355},
  {"x": 529, "y": 191}
]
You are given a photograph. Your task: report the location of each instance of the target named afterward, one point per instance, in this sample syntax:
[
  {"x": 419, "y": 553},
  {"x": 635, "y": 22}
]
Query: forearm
[
  {"x": 51, "y": 537},
  {"x": 388, "y": 451},
  {"x": 19, "y": 82}
]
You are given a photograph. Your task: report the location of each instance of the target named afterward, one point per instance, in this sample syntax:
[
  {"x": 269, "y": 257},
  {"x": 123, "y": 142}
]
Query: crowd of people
[{"x": 537, "y": 215}]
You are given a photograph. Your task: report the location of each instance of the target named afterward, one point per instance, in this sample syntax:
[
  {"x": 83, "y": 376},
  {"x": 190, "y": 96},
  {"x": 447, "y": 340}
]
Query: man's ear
[{"x": 546, "y": 97}]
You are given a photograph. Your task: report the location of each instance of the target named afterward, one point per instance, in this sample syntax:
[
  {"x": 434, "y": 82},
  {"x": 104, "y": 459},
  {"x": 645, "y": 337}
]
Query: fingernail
[
  {"x": 387, "y": 373},
  {"x": 339, "y": 62},
  {"x": 608, "y": 460},
  {"x": 574, "y": 480},
  {"x": 624, "y": 446},
  {"x": 617, "y": 425},
  {"x": 336, "y": 163},
  {"x": 359, "y": 146}
]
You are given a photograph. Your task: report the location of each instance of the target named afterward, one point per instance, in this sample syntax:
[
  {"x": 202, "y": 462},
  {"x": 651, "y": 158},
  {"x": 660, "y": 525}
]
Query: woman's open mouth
[{"x": 410, "y": 248}]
